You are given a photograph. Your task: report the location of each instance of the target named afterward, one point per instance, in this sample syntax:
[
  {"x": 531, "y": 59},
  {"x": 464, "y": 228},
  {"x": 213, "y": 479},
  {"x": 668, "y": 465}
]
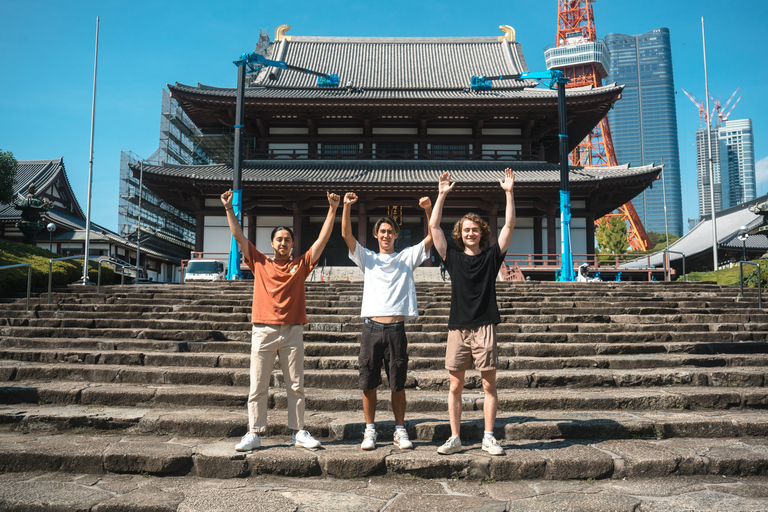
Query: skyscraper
[
  {"x": 737, "y": 162},
  {"x": 702, "y": 171},
  {"x": 644, "y": 122}
]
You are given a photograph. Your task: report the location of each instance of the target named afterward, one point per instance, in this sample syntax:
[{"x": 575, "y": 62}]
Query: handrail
[
  {"x": 29, "y": 276},
  {"x": 759, "y": 282},
  {"x": 50, "y": 270},
  {"x": 665, "y": 258},
  {"x": 116, "y": 263}
]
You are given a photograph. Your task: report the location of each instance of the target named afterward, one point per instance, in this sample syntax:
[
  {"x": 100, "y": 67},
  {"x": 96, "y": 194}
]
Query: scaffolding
[{"x": 158, "y": 218}]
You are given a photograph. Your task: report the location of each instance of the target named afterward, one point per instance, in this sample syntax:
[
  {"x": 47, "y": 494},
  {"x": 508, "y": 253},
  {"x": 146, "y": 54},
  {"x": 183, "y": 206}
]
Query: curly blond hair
[{"x": 485, "y": 230}]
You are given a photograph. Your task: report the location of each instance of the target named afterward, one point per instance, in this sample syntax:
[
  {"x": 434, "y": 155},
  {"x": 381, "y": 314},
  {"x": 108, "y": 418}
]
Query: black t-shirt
[{"x": 473, "y": 286}]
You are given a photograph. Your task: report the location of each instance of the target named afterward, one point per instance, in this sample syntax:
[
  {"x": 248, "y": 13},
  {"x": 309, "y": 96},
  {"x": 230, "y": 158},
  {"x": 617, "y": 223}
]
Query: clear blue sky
[{"x": 47, "y": 53}]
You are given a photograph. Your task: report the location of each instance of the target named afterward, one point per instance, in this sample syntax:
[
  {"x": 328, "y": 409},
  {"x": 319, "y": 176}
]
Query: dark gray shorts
[{"x": 383, "y": 344}]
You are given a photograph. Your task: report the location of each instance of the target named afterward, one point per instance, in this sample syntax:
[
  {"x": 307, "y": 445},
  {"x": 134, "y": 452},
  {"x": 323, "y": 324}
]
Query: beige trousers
[{"x": 287, "y": 343}]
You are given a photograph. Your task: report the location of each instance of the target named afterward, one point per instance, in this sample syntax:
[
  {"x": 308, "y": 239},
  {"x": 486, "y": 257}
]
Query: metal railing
[
  {"x": 117, "y": 264},
  {"x": 50, "y": 270},
  {"x": 29, "y": 277},
  {"x": 665, "y": 256},
  {"x": 759, "y": 282}
]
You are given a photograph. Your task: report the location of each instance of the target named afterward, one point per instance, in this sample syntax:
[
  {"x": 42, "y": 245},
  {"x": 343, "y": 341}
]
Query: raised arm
[
  {"x": 234, "y": 224},
  {"x": 426, "y": 204},
  {"x": 438, "y": 237},
  {"x": 325, "y": 232},
  {"x": 510, "y": 217},
  {"x": 350, "y": 198}
]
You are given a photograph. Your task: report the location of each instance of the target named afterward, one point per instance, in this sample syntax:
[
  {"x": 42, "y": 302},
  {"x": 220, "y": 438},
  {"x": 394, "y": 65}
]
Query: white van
[{"x": 204, "y": 270}]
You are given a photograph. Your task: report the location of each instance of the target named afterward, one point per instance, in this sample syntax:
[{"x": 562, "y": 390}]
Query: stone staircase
[{"x": 596, "y": 380}]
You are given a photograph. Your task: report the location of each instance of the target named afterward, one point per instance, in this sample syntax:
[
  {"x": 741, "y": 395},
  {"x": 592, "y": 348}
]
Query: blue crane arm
[
  {"x": 550, "y": 78},
  {"x": 254, "y": 62}
]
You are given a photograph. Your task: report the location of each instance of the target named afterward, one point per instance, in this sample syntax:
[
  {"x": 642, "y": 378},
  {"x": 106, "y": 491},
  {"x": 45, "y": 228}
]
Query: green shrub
[
  {"x": 750, "y": 279},
  {"x": 14, "y": 280}
]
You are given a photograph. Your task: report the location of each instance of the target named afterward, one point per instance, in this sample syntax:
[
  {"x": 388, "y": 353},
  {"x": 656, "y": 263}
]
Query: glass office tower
[
  {"x": 644, "y": 122},
  {"x": 737, "y": 162}
]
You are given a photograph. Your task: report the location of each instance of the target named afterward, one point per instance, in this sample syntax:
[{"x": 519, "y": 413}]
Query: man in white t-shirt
[{"x": 389, "y": 300}]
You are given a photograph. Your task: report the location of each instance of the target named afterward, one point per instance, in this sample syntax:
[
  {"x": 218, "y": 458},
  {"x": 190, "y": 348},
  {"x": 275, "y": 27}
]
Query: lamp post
[
  {"x": 743, "y": 235},
  {"x": 51, "y": 227}
]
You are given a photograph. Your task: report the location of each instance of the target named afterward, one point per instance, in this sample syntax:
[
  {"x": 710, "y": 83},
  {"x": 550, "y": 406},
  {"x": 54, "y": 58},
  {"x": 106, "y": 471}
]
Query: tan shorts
[{"x": 476, "y": 344}]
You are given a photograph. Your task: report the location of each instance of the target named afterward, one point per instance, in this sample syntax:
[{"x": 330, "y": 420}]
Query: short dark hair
[
  {"x": 485, "y": 230},
  {"x": 280, "y": 228},
  {"x": 386, "y": 220}
]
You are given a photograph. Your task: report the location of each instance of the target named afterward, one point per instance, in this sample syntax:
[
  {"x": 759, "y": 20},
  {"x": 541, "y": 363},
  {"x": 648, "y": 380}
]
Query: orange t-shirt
[{"x": 278, "y": 288}]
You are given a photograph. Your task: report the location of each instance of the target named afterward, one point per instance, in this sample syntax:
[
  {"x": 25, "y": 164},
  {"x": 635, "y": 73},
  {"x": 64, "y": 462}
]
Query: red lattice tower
[{"x": 585, "y": 61}]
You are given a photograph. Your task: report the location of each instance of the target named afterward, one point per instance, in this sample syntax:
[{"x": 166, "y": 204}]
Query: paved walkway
[{"x": 99, "y": 493}]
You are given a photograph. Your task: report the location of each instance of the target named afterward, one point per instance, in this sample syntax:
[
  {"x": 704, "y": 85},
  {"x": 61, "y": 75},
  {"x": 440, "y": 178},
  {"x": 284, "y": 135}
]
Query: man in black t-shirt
[{"x": 474, "y": 313}]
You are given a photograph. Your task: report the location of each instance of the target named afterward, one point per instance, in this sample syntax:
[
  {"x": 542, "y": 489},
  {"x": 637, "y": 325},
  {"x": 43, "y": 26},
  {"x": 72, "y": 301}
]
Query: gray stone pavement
[{"x": 115, "y": 493}]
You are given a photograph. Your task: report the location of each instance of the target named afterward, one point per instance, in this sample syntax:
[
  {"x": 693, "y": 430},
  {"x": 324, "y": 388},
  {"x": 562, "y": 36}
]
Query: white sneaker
[
  {"x": 304, "y": 439},
  {"x": 249, "y": 441},
  {"x": 369, "y": 439},
  {"x": 401, "y": 439},
  {"x": 492, "y": 446},
  {"x": 452, "y": 445}
]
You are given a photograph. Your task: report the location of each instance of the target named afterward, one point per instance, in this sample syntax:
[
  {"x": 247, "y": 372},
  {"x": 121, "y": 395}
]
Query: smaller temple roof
[
  {"x": 698, "y": 241},
  {"x": 186, "y": 186},
  {"x": 70, "y": 224},
  {"x": 42, "y": 173}
]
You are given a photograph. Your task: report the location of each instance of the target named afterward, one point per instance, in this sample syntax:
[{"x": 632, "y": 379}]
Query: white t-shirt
[{"x": 389, "y": 288}]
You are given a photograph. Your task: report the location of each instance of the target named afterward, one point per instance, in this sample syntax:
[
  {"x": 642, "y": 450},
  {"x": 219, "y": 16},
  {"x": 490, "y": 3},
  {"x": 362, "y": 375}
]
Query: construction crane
[
  {"x": 699, "y": 105},
  {"x": 576, "y": 27},
  {"x": 554, "y": 79},
  {"x": 718, "y": 112},
  {"x": 252, "y": 63}
]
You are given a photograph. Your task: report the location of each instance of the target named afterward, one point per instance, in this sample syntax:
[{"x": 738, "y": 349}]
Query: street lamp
[
  {"x": 743, "y": 235},
  {"x": 51, "y": 227}
]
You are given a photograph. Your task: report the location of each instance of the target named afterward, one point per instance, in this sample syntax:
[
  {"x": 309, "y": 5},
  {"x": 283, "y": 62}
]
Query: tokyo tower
[{"x": 585, "y": 61}]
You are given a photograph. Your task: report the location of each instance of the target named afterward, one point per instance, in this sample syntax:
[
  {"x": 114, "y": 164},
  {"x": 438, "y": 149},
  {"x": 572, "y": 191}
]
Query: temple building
[
  {"x": 51, "y": 184},
  {"x": 404, "y": 112}
]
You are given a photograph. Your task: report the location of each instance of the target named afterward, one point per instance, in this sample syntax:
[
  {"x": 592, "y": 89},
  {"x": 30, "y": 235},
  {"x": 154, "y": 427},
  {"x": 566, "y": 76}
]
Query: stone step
[
  {"x": 347, "y": 359},
  {"x": 157, "y": 332},
  {"x": 65, "y": 492},
  {"x": 524, "y": 459},
  {"x": 347, "y": 379},
  {"x": 677, "y": 398},
  {"x": 747, "y": 319},
  {"x": 424, "y": 349},
  {"x": 349, "y": 425}
]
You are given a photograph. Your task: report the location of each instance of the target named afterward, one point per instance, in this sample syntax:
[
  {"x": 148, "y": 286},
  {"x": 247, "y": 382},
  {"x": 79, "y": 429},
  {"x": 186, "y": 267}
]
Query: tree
[
  {"x": 612, "y": 236},
  {"x": 659, "y": 240},
  {"x": 8, "y": 166}
]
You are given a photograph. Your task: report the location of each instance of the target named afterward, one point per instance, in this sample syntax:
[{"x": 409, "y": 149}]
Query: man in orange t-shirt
[{"x": 278, "y": 314}]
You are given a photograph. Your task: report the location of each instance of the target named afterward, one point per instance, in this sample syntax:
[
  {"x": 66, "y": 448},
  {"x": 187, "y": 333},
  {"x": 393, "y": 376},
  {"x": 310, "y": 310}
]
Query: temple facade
[{"x": 404, "y": 112}]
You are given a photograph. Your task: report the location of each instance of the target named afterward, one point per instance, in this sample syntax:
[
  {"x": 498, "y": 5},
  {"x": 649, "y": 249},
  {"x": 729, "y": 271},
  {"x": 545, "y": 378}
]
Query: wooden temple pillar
[
  {"x": 297, "y": 222},
  {"x": 199, "y": 230},
  {"x": 590, "y": 218},
  {"x": 493, "y": 223},
  {"x": 362, "y": 224},
  {"x": 552, "y": 245},
  {"x": 538, "y": 245},
  {"x": 252, "y": 229}
]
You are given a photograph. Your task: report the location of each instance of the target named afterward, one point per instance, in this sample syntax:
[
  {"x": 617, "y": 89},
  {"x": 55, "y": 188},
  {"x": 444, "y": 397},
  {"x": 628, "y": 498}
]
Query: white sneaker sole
[{"x": 486, "y": 449}]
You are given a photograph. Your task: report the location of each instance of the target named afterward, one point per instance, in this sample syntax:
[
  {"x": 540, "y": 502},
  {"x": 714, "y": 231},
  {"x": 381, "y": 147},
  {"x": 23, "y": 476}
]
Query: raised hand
[
  {"x": 445, "y": 185},
  {"x": 350, "y": 198},
  {"x": 508, "y": 183},
  {"x": 333, "y": 199},
  {"x": 425, "y": 202},
  {"x": 226, "y": 198}
]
